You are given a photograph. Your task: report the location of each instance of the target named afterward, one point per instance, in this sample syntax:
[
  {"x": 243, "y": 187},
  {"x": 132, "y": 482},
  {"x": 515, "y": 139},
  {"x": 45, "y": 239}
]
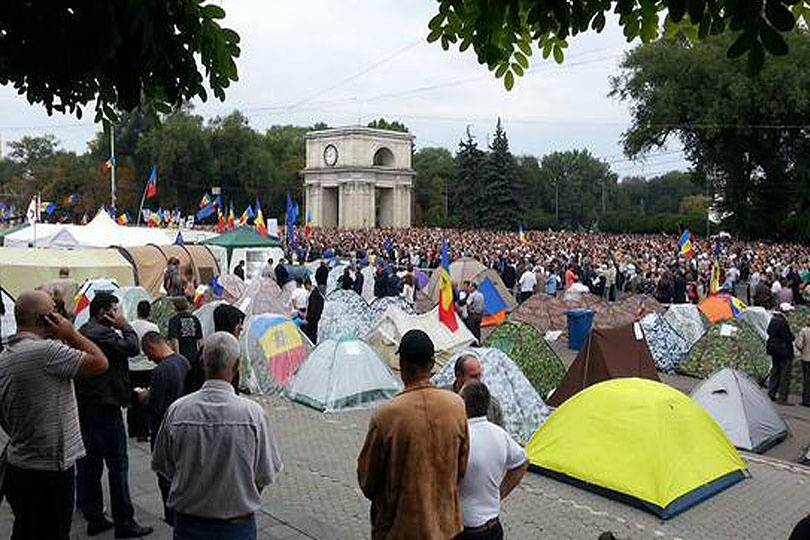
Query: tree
[
  {"x": 500, "y": 208},
  {"x": 694, "y": 205},
  {"x": 502, "y": 33},
  {"x": 584, "y": 186},
  {"x": 33, "y": 152},
  {"x": 382, "y": 123},
  {"x": 743, "y": 134},
  {"x": 466, "y": 192},
  {"x": 435, "y": 170},
  {"x": 118, "y": 54}
]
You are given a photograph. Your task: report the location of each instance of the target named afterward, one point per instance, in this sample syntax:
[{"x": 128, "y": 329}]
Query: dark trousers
[
  {"x": 779, "y": 382},
  {"x": 164, "y": 485},
  {"x": 41, "y": 501},
  {"x": 105, "y": 441},
  {"x": 193, "y": 528},
  {"x": 137, "y": 417},
  {"x": 805, "y": 382},
  {"x": 491, "y": 531},
  {"x": 523, "y": 296},
  {"x": 474, "y": 324}
]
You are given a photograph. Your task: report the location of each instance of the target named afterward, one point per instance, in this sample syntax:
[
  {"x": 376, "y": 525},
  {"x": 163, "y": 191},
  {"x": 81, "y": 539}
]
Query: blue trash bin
[{"x": 579, "y": 327}]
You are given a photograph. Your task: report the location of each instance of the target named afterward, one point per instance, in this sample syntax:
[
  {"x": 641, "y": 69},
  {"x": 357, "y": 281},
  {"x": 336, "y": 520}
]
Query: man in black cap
[{"x": 415, "y": 453}]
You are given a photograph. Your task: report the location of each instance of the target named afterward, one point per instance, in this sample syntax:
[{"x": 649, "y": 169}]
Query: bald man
[
  {"x": 38, "y": 411},
  {"x": 468, "y": 368}
]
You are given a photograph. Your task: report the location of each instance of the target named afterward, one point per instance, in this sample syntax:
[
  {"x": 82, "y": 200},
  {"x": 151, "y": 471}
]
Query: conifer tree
[{"x": 499, "y": 207}]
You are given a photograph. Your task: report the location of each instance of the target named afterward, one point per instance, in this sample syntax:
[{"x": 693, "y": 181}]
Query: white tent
[
  {"x": 8, "y": 325},
  {"x": 343, "y": 374},
  {"x": 129, "y": 298},
  {"x": 386, "y": 335},
  {"x": 742, "y": 409},
  {"x": 523, "y": 409},
  {"x": 369, "y": 278},
  {"x": 334, "y": 274},
  {"x": 205, "y": 314},
  {"x": 759, "y": 318},
  {"x": 86, "y": 293},
  {"x": 101, "y": 232},
  {"x": 686, "y": 320}
]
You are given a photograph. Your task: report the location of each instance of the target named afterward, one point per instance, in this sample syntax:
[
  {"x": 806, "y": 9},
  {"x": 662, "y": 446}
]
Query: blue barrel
[{"x": 579, "y": 327}]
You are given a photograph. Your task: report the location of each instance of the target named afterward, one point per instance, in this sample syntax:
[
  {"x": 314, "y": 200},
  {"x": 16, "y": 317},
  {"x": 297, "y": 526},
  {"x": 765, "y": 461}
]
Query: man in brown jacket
[{"x": 415, "y": 454}]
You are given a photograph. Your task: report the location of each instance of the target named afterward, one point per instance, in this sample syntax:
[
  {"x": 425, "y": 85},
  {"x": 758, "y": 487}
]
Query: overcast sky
[{"x": 351, "y": 61}]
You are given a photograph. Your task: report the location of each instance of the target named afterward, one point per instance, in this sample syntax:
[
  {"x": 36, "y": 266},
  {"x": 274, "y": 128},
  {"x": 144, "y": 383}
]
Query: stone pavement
[{"x": 317, "y": 495}]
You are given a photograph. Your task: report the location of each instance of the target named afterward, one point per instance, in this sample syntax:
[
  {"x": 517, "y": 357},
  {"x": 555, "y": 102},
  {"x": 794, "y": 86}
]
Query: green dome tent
[
  {"x": 526, "y": 346},
  {"x": 730, "y": 344}
]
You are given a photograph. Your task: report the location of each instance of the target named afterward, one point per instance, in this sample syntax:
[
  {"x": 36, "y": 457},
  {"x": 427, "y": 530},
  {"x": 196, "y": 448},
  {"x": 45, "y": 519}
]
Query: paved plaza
[{"x": 317, "y": 495}]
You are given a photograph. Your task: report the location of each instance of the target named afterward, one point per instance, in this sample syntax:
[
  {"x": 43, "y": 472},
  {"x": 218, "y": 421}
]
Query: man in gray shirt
[
  {"x": 475, "y": 311},
  {"x": 38, "y": 411},
  {"x": 218, "y": 450}
]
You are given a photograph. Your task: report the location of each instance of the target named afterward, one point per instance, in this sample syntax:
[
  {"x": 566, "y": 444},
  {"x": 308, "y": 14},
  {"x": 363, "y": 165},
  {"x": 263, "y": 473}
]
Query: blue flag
[
  {"x": 445, "y": 255},
  {"x": 292, "y": 218}
]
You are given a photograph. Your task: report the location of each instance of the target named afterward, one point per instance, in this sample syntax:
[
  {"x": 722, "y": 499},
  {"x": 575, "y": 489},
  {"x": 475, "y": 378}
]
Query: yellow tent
[{"x": 638, "y": 441}]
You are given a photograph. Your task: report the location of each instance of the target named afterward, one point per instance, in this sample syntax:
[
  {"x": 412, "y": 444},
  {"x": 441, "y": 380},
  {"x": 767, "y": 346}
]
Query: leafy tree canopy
[
  {"x": 503, "y": 33},
  {"x": 746, "y": 135},
  {"x": 382, "y": 123},
  {"x": 119, "y": 53}
]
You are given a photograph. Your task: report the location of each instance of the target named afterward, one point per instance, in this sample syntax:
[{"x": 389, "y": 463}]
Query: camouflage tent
[
  {"x": 526, "y": 346},
  {"x": 347, "y": 314},
  {"x": 798, "y": 318},
  {"x": 667, "y": 347},
  {"x": 162, "y": 310},
  {"x": 733, "y": 344}
]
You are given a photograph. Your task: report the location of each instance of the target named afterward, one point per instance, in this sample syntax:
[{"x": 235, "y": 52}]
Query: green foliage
[
  {"x": 466, "y": 192},
  {"x": 435, "y": 171},
  {"x": 500, "y": 206},
  {"x": 744, "y": 134},
  {"x": 502, "y": 34},
  {"x": 119, "y": 54},
  {"x": 694, "y": 205},
  {"x": 657, "y": 195},
  {"x": 382, "y": 123}
]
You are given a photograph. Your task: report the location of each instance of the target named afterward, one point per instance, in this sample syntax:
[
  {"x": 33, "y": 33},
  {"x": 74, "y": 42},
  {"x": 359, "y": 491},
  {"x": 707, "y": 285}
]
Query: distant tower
[{"x": 359, "y": 177}]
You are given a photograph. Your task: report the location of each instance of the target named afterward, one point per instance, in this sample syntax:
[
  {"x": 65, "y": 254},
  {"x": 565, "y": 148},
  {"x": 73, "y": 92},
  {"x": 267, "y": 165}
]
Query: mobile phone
[{"x": 47, "y": 320}]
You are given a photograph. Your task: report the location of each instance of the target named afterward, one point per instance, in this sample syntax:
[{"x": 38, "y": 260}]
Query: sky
[{"x": 353, "y": 61}]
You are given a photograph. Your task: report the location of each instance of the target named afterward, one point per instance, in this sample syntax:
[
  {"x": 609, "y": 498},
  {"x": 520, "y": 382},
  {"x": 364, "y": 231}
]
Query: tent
[
  {"x": 498, "y": 301},
  {"x": 233, "y": 287},
  {"x": 334, "y": 274},
  {"x": 129, "y": 298},
  {"x": 149, "y": 263},
  {"x": 245, "y": 244},
  {"x": 742, "y": 409},
  {"x": 733, "y": 344},
  {"x": 205, "y": 314},
  {"x": 368, "y": 282},
  {"x": 545, "y": 312},
  {"x": 342, "y": 374},
  {"x": 461, "y": 270},
  {"x": 263, "y": 295},
  {"x": 667, "y": 347},
  {"x": 536, "y": 359},
  {"x": 759, "y": 318},
  {"x": 272, "y": 350},
  {"x": 686, "y": 320},
  {"x": 395, "y": 323},
  {"x": 610, "y": 353},
  {"x": 8, "y": 325},
  {"x": 523, "y": 409},
  {"x": 638, "y": 441},
  {"x": 347, "y": 314},
  {"x": 721, "y": 307},
  {"x": 23, "y": 269},
  {"x": 88, "y": 291}
]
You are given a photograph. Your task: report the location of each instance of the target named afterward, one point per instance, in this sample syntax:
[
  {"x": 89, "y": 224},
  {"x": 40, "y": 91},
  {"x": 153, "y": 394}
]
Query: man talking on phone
[
  {"x": 105, "y": 438},
  {"x": 38, "y": 411}
]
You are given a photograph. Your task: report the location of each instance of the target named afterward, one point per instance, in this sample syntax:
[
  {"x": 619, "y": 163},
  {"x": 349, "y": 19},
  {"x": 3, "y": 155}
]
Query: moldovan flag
[
  {"x": 151, "y": 184},
  {"x": 258, "y": 222},
  {"x": 231, "y": 219},
  {"x": 447, "y": 308},
  {"x": 685, "y": 244}
]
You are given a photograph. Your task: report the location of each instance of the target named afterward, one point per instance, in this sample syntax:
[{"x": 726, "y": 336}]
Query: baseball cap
[{"x": 416, "y": 347}]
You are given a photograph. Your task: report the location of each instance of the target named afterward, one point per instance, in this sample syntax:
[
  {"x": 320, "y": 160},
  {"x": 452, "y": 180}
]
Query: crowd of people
[{"x": 435, "y": 462}]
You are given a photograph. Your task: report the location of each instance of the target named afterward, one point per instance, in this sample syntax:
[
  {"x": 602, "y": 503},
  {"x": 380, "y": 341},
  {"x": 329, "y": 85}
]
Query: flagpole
[
  {"x": 140, "y": 210},
  {"x": 113, "y": 164}
]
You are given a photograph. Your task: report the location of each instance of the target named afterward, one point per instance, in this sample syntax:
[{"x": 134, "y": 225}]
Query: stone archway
[{"x": 384, "y": 157}]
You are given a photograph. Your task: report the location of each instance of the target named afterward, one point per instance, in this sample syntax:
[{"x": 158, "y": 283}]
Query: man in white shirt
[
  {"x": 526, "y": 284},
  {"x": 140, "y": 375},
  {"x": 495, "y": 467}
]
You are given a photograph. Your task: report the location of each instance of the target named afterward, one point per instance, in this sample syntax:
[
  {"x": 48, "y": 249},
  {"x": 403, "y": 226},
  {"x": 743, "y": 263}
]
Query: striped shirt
[{"x": 38, "y": 403}]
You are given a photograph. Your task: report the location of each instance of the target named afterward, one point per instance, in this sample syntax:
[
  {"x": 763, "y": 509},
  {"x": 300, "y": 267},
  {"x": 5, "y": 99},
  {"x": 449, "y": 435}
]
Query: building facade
[{"x": 358, "y": 177}]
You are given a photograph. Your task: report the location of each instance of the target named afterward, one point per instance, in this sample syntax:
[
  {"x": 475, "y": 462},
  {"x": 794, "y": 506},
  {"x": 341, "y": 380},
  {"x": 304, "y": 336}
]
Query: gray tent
[
  {"x": 342, "y": 374},
  {"x": 742, "y": 409}
]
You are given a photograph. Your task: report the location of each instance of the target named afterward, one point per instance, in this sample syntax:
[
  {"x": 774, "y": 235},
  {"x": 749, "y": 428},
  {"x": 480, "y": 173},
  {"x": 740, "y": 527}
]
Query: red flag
[
  {"x": 447, "y": 308},
  {"x": 151, "y": 185}
]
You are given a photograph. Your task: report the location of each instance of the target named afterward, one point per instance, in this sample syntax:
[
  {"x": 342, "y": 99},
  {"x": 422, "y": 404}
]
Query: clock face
[{"x": 330, "y": 155}]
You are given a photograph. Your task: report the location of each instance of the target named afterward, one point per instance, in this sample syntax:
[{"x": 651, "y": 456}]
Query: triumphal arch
[{"x": 358, "y": 177}]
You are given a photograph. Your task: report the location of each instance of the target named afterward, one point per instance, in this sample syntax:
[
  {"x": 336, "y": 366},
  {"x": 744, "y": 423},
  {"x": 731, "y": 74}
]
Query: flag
[
  {"x": 50, "y": 208},
  {"x": 258, "y": 223},
  {"x": 292, "y": 217},
  {"x": 151, "y": 184},
  {"x": 222, "y": 225},
  {"x": 685, "y": 244},
  {"x": 246, "y": 216},
  {"x": 447, "y": 308},
  {"x": 179, "y": 240},
  {"x": 521, "y": 234},
  {"x": 308, "y": 226},
  {"x": 154, "y": 219},
  {"x": 714, "y": 283},
  {"x": 737, "y": 307},
  {"x": 231, "y": 218},
  {"x": 123, "y": 219},
  {"x": 110, "y": 163},
  {"x": 33, "y": 213},
  {"x": 205, "y": 201},
  {"x": 85, "y": 219}
]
